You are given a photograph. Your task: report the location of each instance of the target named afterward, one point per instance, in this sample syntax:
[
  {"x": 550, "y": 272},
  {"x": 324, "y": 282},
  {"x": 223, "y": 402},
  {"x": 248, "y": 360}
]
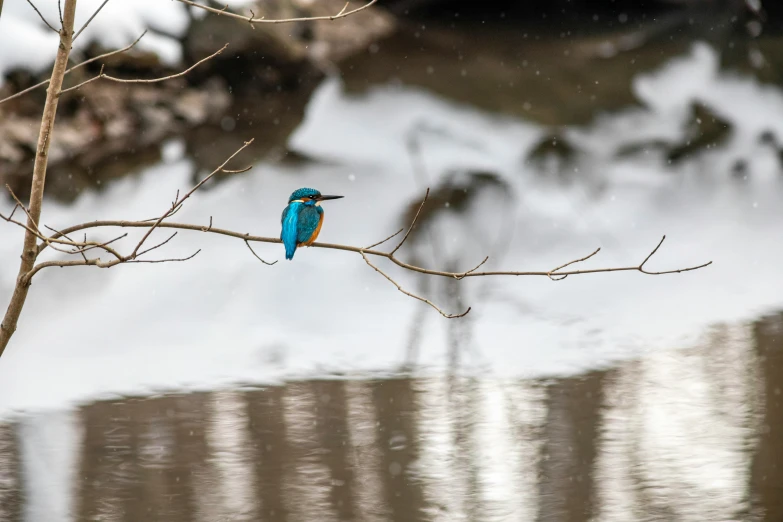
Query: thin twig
[
  {"x": 90, "y": 20},
  {"x": 150, "y": 249},
  {"x": 257, "y": 256},
  {"x": 401, "y": 289},
  {"x": 24, "y": 208},
  {"x": 103, "y": 264},
  {"x": 253, "y": 20},
  {"x": 13, "y": 211},
  {"x": 102, "y": 245},
  {"x": 32, "y": 227},
  {"x": 240, "y": 171},
  {"x": 44, "y": 19},
  {"x": 177, "y": 204},
  {"x": 641, "y": 267},
  {"x": 384, "y": 240},
  {"x": 101, "y": 75},
  {"x": 81, "y": 251},
  {"x": 51, "y": 241},
  {"x": 642, "y": 270},
  {"x": 465, "y": 274},
  {"x": 102, "y": 56},
  {"x": 413, "y": 223},
  {"x": 167, "y": 260},
  {"x": 553, "y": 278}
]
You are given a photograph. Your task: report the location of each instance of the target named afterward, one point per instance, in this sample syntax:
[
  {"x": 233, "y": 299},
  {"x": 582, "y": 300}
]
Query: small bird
[{"x": 302, "y": 219}]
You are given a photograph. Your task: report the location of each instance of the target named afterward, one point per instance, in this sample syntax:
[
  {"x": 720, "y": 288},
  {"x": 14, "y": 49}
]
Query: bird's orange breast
[{"x": 315, "y": 233}]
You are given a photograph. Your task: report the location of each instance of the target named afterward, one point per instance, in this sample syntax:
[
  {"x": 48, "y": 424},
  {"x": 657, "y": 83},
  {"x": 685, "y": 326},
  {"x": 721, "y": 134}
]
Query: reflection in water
[
  {"x": 688, "y": 434},
  {"x": 10, "y": 474},
  {"x": 767, "y": 466},
  {"x": 693, "y": 420},
  {"x": 48, "y": 446}
]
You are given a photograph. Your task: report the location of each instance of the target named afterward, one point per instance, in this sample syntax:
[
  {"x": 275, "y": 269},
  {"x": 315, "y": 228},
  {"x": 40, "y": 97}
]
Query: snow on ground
[{"x": 26, "y": 42}]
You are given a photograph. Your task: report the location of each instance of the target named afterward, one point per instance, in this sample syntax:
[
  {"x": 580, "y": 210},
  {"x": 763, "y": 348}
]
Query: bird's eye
[{"x": 312, "y": 197}]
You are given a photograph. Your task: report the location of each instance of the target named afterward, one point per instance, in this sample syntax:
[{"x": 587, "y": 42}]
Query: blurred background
[{"x": 222, "y": 389}]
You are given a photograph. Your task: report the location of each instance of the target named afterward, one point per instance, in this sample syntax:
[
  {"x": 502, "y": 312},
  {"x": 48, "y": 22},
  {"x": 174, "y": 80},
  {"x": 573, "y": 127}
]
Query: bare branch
[
  {"x": 101, "y": 75},
  {"x": 553, "y": 278},
  {"x": 103, "y": 264},
  {"x": 253, "y": 20},
  {"x": 384, "y": 240},
  {"x": 81, "y": 251},
  {"x": 676, "y": 271},
  {"x": 102, "y": 245},
  {"x": 177, "y": 204},
  {"x": 257, "y": 257},
  {"x": 463, "y": 275},
  {"x": 240, "y": 171},
  {"x": 42, "y": 17},
  {"x": 95, "y": 59},
  {"x": 556, "y": 274},
  {"x": 401, "y": 289},
  {"x": 24, "y": 208},
  {"x": 168, "y": 260},
  {"x": 90, "y": 20},
  {"x": 13, "y": 211},
  {"x": 343, "y": 9},
  {"x": 413, "y": 223},
  {"x": 32, "y": 227},
  {"x": 150, "y": 249},
  {"x": 652, "y": 253},
  {"x": 51, "y": 242},
  {"x": 359, "y": 250}
]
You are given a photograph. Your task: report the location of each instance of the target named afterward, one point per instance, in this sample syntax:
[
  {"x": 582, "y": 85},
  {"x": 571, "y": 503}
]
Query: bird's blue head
[{"x": 309, "y": 196}]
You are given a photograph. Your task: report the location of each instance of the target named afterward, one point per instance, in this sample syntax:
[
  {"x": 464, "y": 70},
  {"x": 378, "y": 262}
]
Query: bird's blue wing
[
  {"x": 290, "y": 226},
  {"x": 309, "y": 217}
]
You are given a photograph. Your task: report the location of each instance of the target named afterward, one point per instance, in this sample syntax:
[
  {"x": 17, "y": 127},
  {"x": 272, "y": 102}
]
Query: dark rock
[
  {"x": 553, "y": 145},
  {"x": 768, "y": 137},
  {"x": 704, "y": 130},
  {"x": 504, "y": 69},
  {"x": 554, "y": 156},
  {"x": 269, "y": 55},
  {"x": 109, "y": 121},
  {"x": 739, "y": 170},
  {"x": 645, "y": 148}
]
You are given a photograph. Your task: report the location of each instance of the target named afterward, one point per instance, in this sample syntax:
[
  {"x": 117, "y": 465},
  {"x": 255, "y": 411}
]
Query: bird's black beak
[{"x": 324, "y": 198}]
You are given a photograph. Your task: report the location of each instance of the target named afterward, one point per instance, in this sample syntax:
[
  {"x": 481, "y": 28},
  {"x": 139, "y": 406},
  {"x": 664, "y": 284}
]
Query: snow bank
[{"x": 26, "y": 42}]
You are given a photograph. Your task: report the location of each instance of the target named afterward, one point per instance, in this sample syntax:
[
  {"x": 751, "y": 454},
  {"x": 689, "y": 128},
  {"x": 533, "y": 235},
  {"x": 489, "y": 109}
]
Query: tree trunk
[{"x": 29, "y": 250}]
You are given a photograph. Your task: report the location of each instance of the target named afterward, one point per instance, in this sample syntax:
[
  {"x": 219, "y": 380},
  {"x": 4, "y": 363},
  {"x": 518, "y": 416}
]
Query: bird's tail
[{"x": 289, "y": 251}]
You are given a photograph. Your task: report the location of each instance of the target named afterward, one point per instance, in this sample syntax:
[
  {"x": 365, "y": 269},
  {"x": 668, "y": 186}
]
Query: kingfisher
[{"x": 302, "y": 219}]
